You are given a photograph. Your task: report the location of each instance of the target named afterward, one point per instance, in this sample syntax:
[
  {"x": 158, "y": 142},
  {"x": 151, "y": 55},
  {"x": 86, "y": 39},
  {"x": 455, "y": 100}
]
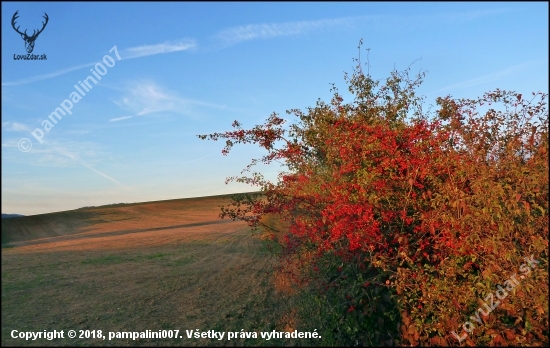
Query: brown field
[{"x": 170, "y": 265}]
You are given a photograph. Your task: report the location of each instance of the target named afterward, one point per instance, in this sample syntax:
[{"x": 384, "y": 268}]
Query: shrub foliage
[{"x": 406, "y": 225}]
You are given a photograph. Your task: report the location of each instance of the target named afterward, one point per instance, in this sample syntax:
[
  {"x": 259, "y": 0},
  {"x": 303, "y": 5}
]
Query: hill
[
  {"x": 166, "y": 265},
  {"x": 11, "y": 215}
]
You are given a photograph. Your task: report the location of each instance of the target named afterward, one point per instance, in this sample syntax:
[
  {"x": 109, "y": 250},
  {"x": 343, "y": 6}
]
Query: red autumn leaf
[{"x": 345, "y": 196}]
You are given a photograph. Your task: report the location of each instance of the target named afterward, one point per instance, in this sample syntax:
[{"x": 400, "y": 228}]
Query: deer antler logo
[{"x": 29, "y": 40}]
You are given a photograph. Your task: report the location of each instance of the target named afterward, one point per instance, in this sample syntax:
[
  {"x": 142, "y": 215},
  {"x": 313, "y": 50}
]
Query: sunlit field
[{"x": 170, "y": 265}]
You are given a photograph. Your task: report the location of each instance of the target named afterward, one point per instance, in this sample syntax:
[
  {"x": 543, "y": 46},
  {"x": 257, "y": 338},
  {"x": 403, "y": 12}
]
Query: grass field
[{"x": 170, "y": 265}]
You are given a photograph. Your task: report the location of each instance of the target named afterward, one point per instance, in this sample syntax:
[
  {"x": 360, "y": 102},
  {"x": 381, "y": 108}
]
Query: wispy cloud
[
  {"x": 166, "y": 47},
  {"x": 55, "y": 154},
  {"x": 56, "y": 148},
  {"x": 128, "y": 53},
  {"x": 15, "y": 127},
  {"x": 120, "y": 118},
  {"x": 234, "y": 35},
  {"x": 102, "y": 174},
  {"x": 75, "y": 157},
  {"x": 491, "y": 77},
  {"x": 145, "y": 98},
  {"x": 47, "y": 76}
]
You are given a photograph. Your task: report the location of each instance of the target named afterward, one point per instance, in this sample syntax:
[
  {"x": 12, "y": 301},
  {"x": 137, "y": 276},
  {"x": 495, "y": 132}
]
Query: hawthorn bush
[{"x": 403, "y": 225}]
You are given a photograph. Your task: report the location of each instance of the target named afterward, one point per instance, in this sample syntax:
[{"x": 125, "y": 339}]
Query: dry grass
[{"x": 137, "y": 267}]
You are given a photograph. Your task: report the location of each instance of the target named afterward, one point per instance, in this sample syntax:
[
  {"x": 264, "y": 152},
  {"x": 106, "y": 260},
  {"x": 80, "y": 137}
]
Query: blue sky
[{"x": 193, "y": 68}]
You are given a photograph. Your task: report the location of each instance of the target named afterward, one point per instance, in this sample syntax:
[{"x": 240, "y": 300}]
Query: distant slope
[
  {"x": 110, "y": 219},
  {"x": 11, "y": 215}
]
